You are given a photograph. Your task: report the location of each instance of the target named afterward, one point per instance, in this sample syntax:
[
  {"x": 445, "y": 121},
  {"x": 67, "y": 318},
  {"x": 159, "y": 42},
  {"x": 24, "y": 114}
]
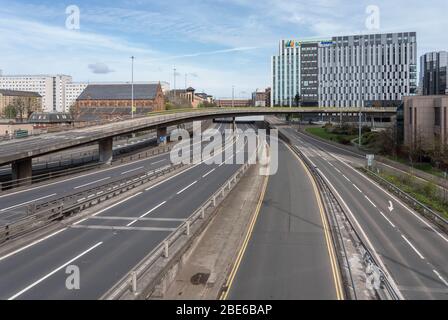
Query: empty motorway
[
  {"x": 108, "y": 244},
  {"x": 289, "y": 254},
  {"x": 412, "y": 250}
]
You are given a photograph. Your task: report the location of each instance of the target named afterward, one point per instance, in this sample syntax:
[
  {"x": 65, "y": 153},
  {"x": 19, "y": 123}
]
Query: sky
[{"x": 213, "y": 44}]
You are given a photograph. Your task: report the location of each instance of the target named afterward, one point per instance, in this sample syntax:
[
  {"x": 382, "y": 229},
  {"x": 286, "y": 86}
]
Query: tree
[
  {"x": 21, "y": 107},
  {"x": 297, "y": 99},
  {"x": 10, "y": 112}
]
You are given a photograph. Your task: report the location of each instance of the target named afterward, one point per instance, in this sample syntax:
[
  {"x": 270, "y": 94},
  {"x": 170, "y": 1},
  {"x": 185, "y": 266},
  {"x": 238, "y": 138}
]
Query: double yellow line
[
  {"x": 245, "y": 242},
  {"x": 331, "y": 251},
  {"x": 328, "y": 239}
]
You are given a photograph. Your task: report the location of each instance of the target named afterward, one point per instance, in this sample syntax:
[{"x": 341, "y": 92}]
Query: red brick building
[{"x": 114, "y": 100}]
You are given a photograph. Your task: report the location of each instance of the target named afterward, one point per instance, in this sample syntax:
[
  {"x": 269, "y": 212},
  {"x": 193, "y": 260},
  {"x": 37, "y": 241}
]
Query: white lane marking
[
  {"x": 390, "y": 222},
  {"x": 186, "y": 170},
  {"x": 339, "y": 171},
  {"x": 144, "y": 215},
  {"x": 139, "y": 219},
  {"x": 109, "y": 207},
  {"x": 124, "y": 228},
  {"x": 31, "y": 244},
  {"x": 369, "y": 243},
  {"x": 54, "y": 271},
  {"x": 413, "y": 248},
  {"x": 391, "y": 206},
  {"x": 88, "y": 184},
  {"x": 393, "y": 197},
  {"x": 370, "y": 201},
  {"x": 156, "y": 162},
  {"x": 346, "y": 178},
  {"x": 440, "y": 277},
  {"x": 312, "y": 163},
  {"x": 191, "y": 184},
  {"x": 356, "y": 187},
  {"x": 132, "y": 170},
  {"x": 208, "y": 173},
  {"x": 24, "y": 203}
]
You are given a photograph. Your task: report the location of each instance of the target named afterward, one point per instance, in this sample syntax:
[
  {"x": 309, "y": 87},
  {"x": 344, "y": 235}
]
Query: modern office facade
[
  {"x": 50, "y": 87},
  {"x": 433, "y": 73},
  {"x": 346, "y": 71}
]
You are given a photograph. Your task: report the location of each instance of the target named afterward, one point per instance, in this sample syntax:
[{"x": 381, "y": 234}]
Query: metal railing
[
  {"x": 61, "y": 173},
  {"x": 417, "y": 205},
  {"x": 39, "y": 215},
  {"x": 131, "y": 282}
]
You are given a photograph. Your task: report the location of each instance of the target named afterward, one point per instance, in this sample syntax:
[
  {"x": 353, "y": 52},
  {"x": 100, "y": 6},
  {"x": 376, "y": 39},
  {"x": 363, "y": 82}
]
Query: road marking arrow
[{"x": 391, "y": 206}]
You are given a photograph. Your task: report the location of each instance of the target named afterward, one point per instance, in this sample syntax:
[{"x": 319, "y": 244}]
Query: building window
[{"x": 437, "y": 116}]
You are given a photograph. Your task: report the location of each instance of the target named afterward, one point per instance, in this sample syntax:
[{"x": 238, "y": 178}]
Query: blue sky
[{"x": 217, "y": 43}]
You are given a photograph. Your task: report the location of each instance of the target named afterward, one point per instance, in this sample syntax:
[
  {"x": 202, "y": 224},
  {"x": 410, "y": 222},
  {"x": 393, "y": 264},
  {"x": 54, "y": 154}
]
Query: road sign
[{"x": 370, "y": 158}]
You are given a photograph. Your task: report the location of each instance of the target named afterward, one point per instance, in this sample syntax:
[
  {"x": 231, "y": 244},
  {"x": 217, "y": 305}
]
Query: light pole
[
  {"x": 132, "y": 88},
  {"x": 174, "y": 69},
  {"x": 233, "y": 96},
  {"x": 360, "y": 128}
]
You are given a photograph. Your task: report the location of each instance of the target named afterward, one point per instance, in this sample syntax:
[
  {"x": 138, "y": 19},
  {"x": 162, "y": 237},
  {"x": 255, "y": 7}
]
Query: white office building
[
  {"x": 346, "y": 71},
  {"x": 50, "y": 87}
]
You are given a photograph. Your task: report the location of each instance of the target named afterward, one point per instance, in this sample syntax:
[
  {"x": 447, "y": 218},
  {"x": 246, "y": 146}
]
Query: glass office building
[{"x": 345, "y": 71}]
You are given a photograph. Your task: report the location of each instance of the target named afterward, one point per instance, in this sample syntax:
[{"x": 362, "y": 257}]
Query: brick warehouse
[{"x": 108, "y": 101}]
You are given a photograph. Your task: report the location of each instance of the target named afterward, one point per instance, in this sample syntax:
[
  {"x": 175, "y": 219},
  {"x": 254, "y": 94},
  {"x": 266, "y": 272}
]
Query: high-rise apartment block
[{"x": 50, "y": 87}]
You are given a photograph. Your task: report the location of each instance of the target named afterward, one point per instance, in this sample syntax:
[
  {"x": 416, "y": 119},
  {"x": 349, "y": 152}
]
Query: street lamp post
[
  {"x": 132, "y": 88},
  {"x": 174, "y": 78},
  {"x": 360, "y": 128},
  {"x": 233, "y": 96}
]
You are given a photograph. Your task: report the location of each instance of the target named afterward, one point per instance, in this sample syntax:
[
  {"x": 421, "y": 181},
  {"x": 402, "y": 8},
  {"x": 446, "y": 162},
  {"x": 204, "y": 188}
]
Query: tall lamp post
[
  {"x": 233, "y": 96},
  {"x": 360, "y": 128},
  {"x": 132, "y": 88}
]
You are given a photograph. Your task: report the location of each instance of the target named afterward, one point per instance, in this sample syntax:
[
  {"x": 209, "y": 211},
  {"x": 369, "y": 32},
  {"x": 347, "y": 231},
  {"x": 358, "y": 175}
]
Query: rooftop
[
  {"x": 119, "y": 92},
  {"x": 17, "y": 93}
]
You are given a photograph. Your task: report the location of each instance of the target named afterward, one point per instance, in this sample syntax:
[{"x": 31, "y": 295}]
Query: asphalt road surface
[
  {"x": 13, "y": 204},
  {"x": 111, "y": 242},
  {"x": 287, "y": 256},
  {"x": 413, "y": 250}
]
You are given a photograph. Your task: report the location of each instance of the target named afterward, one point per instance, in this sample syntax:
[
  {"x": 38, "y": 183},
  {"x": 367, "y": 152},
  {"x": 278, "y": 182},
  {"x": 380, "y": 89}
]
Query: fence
[
  {"x": 52, "y": 175},
  {"x": 131, "y": 282},
  {"x": 417, "y": 205},
  {"x": 41, "y": 214}
]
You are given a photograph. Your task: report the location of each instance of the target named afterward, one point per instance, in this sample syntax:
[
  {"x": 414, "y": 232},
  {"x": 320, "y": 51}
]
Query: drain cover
[{"x": 200, "y": 278}]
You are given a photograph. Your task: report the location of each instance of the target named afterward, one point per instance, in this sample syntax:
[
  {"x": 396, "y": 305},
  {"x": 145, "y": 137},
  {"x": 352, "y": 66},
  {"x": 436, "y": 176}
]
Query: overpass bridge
[{"x": 19, "y": 153}]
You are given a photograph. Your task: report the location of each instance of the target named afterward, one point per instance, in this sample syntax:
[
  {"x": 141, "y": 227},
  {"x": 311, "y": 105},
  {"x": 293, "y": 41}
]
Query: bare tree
[{"x": 21, "y": 107}]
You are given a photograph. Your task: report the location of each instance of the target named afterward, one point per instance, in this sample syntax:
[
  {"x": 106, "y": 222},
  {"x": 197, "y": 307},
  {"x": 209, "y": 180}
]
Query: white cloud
[{"x": 100, "y": 68}]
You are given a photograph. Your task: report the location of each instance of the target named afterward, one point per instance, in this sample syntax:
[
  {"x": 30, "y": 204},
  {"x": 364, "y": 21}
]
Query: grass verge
[{"x": 426, "y": 194}]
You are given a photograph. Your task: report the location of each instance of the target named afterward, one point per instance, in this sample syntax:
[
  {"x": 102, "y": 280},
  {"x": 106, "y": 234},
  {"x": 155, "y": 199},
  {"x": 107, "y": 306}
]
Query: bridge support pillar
[
  {"x": 162, "y": 136},
  {"x": 22, "y": 169},
  {"x": 105, "y": 150}
]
